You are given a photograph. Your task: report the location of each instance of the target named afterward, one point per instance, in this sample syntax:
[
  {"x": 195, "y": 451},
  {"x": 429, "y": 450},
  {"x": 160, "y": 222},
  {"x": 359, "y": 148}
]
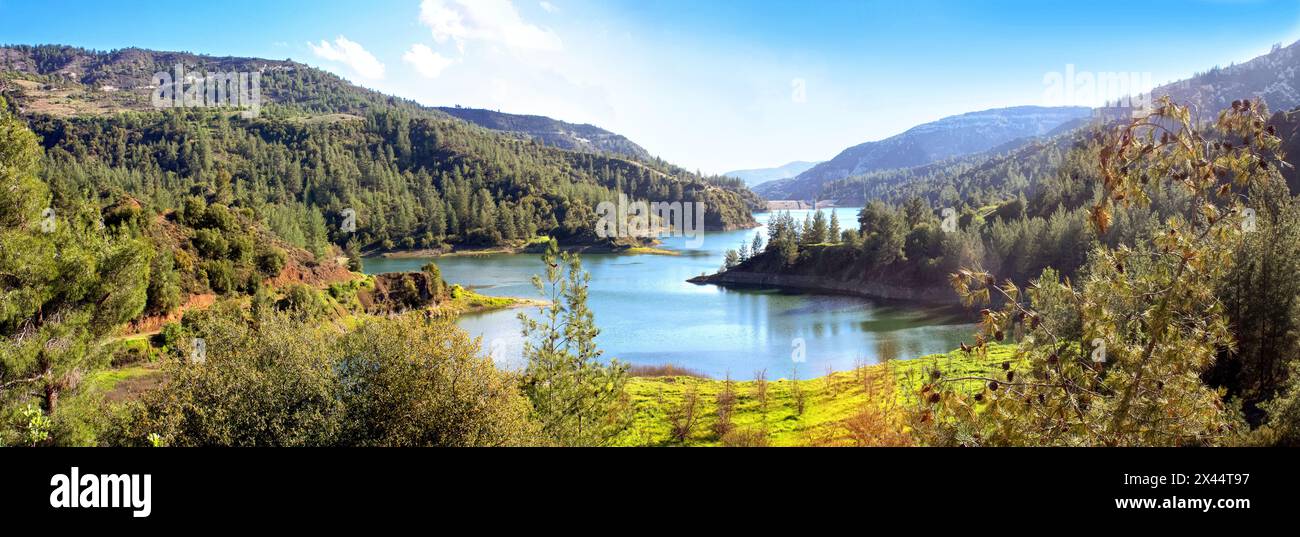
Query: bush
[
  {"x": 129, "y": 354},
  {"x": 682, "y": 416},
  {"x": 211, "y": 244},
  {"x": 745, "y": 438},
  {"x": 220, "y": 217},
  {"x": 164, "y": 292},
  {"x": 301, "y": 299},
  {"x": 172, "y": 335},
  {"x": 273, "y": 385},
  {"x": 726, "y": 406},
  {"x": 391, "y": 382},
  {"x": 270, "y": 261},
  {"x": 221, "y": 276},
  {"x": 412, "y": 382},
  {"x": 241, "y": 248},
  {"x": 194, "y": 213}
]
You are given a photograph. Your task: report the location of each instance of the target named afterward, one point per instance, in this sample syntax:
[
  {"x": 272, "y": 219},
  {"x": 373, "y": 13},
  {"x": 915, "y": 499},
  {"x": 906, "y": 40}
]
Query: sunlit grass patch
[{"x": 865, "y": 406}]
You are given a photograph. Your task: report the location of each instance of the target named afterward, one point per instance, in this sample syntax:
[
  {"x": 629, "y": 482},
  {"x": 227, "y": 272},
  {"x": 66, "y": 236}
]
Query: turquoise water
[{"x": 649, "y": 314}]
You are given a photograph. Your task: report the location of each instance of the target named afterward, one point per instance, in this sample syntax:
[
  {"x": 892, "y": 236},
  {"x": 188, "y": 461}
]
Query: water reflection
[{"x": 649, "y": 314}]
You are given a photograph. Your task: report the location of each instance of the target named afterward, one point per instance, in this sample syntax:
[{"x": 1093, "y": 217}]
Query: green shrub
[
  {"x": 270, "y": 261},
  {"x": 211, "y": 244},
  {"x": 390, "y": 382},
  {"x": 221, "y": 276}
]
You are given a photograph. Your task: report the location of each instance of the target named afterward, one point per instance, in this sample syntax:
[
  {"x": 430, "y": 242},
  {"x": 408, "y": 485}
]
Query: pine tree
[
  {"x": 835, "y": 228},
  {"x": 353, "y": 252},
  {"x": 68, "y": 283},
  {"x": 578, "y": 400},
  {"x": 818, "y": 234},
  {"x": 730, "y": 260}
]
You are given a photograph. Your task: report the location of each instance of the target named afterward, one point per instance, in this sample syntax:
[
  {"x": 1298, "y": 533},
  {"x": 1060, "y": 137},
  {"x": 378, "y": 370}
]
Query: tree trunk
[{"x": 51, "y": 398}]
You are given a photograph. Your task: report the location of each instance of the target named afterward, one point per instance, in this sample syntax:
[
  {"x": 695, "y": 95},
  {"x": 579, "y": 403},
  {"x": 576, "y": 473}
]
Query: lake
[{"x": 648, "y": 314}]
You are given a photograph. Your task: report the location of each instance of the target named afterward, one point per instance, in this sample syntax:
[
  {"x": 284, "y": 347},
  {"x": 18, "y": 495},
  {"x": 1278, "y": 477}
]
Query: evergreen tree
[
  {"x": 806, "y": 234},
  {"x": 883, "y": 236},
  {"x": 731, "y": 259},
  {"x": 67, "y": 284},
  {"x": 819, "y": 233},
  {"x": 1261, "y": 298},
  {"x": 833, "y": 235},
  {"x": 577, "y": 400}
]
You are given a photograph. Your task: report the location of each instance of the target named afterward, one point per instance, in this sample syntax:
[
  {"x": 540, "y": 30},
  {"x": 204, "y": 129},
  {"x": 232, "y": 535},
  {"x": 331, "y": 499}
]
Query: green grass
[
  {"x": 540, "y": 240},
  {"x": 872, "y": 391},
  {"x": 650, "y": 250},
  {"x": 467, "y": 301},
  {"x": 106, "y": 380}
]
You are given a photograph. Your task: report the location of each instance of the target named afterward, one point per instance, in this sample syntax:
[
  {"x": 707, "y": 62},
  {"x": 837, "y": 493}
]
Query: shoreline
[
  {"x": 872, "y": 290},
  {"x": 435, "y": 253},
  {"x": 511, "y": 303}
]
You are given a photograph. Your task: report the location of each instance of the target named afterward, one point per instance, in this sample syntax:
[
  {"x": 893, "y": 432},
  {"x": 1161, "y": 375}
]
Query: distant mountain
[
  {"x": 763, "y": 175},
  {"x": 1274, "y": 76},
  {"x": 552, "y": 132},
  {"x": 946, "y": 138}
]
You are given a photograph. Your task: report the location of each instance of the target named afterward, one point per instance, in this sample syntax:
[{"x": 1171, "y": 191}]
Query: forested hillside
[
  {"x": 1273, "y": 78},
  {"x": 414, "y": 177},
  {"x": 1004, "y": 166},
  {"x": 551, "y": 132},
  {"x": 947, "y": 138}
]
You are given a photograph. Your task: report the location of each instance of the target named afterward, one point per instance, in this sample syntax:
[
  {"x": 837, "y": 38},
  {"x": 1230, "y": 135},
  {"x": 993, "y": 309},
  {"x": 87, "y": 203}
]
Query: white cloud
[
  {"x": 428, "y": 63},
  {"x": 350, "y": 54},
  {"x": 494, "y": 21},
  {"x": 549, "y": 7}
]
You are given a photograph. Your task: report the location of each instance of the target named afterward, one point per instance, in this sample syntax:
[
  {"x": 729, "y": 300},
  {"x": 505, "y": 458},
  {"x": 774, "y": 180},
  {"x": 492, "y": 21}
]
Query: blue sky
[{"x": 708, "y": 84}]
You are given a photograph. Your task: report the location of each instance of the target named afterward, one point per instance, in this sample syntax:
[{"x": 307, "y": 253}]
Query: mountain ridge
[
  {"x": 1273, "y": 77},
  {"x": 114, "y": 76},
  {"x": 757, "y": 176},
  {"x": 949, "y": 137},
  {"x": 550, "y": 131}
]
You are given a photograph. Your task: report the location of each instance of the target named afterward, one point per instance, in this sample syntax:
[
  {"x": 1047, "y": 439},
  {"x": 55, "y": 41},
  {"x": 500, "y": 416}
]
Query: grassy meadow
[{"x": 862, "y": 407}]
